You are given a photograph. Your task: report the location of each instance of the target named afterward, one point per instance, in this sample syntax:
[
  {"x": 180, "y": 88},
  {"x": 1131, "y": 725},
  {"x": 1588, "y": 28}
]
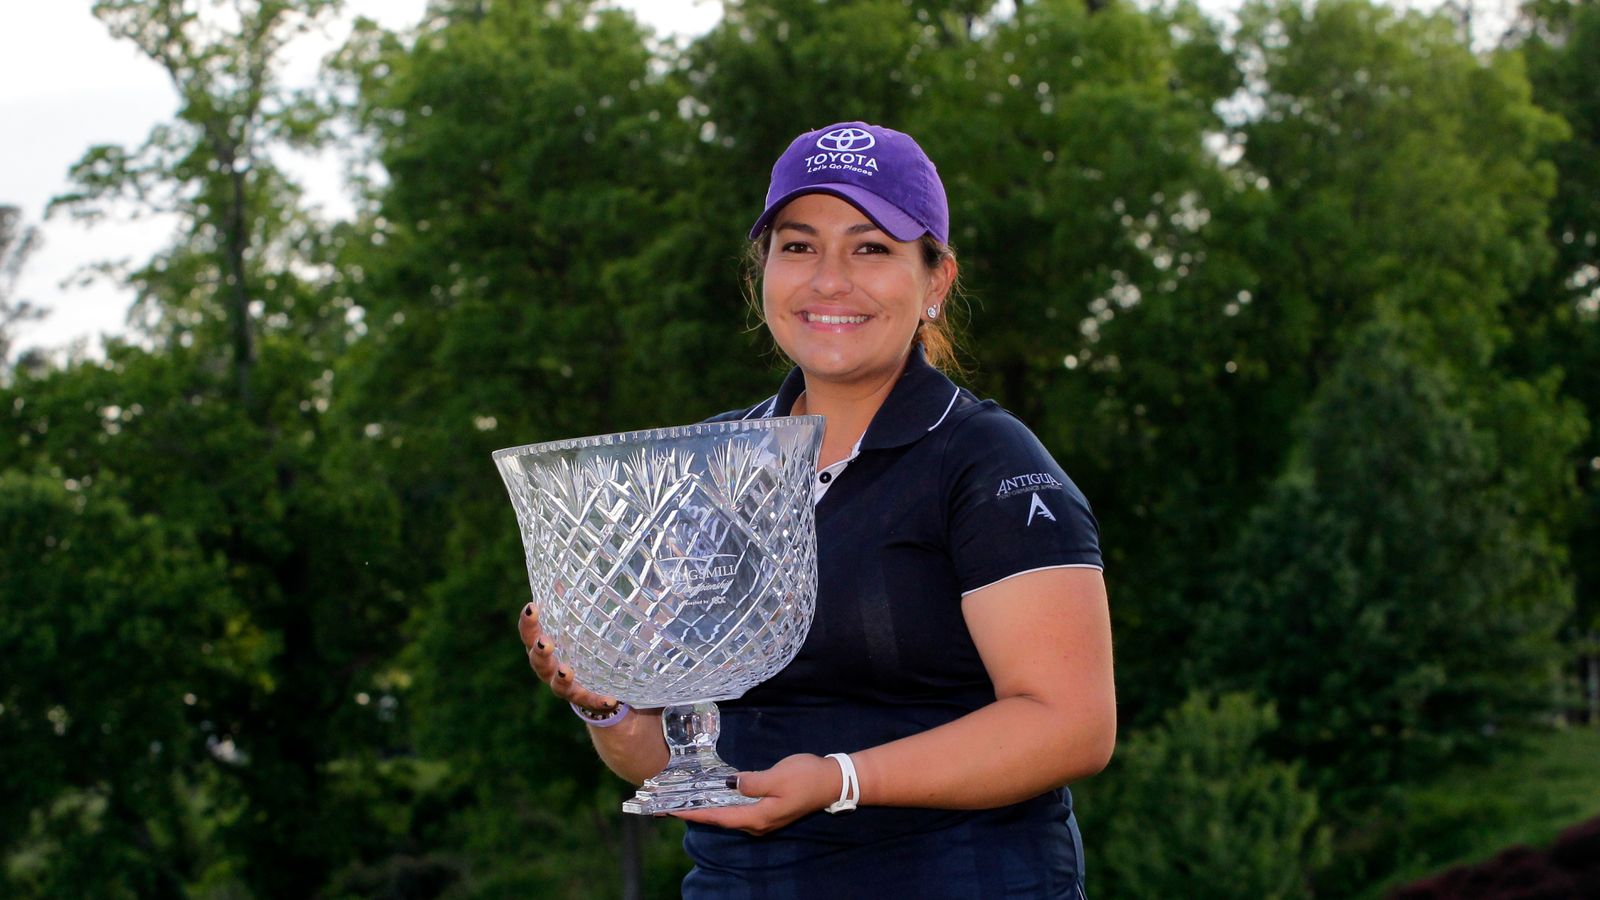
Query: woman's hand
[
  {"x": 632, "y": 747},
  {"x": 797, "y": 786},
  {"x": 542, "y": 657}
]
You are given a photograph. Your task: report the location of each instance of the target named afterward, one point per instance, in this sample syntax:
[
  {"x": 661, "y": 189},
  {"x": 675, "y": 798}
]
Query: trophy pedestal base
[
  {"x": 695, "y": 776},
  {"x": 674, "y": 790}
]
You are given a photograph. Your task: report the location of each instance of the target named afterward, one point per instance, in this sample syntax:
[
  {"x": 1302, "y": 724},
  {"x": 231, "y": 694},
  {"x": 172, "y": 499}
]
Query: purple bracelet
[{"x": 602, "y": 721}]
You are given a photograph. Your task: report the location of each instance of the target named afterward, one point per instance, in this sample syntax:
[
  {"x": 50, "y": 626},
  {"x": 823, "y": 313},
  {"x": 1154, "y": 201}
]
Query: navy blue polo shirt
[{"x": 943, "y": 495}]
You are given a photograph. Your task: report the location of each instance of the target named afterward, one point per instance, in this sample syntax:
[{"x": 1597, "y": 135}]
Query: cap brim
[{"x": 883, "y": 214}]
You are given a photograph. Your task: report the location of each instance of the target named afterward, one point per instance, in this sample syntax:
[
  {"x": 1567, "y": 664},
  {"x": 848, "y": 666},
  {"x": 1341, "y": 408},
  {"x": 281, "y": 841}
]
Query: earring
[{"x": 933, "y": 312}]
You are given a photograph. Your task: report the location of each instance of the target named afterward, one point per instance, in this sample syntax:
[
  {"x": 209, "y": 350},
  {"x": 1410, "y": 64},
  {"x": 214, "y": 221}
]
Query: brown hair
[{"x": 940, "y": 338}]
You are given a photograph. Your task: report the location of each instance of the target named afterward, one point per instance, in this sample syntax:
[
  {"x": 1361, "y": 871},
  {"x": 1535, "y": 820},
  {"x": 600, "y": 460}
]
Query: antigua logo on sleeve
[
  {"x": 1036, "y": 507},
  {"x": 1023, "y": 484}
]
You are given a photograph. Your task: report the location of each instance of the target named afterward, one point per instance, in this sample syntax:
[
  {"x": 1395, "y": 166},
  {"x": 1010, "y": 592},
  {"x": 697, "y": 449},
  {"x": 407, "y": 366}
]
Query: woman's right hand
[
  {"x": 542, "y": 657},
  {"x": 633, "y": 747}
]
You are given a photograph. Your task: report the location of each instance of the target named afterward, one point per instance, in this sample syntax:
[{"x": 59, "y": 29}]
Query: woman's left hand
[{"x": 797, "y": 786}]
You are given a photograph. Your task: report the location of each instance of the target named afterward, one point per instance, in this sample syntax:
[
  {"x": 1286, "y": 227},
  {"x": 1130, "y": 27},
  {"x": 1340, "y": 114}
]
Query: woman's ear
[{"x": 940, "y": 280}]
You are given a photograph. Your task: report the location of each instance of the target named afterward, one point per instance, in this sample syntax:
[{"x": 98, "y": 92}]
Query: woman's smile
[{"x": 825, "y": 319}]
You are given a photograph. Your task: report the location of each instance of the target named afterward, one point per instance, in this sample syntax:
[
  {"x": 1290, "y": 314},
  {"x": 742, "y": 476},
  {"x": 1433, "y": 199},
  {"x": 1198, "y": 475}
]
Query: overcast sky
[{"x": 65, "y": 85}]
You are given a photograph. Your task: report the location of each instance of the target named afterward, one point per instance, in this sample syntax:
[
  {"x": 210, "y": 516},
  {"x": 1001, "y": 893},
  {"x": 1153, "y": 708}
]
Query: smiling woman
[{"x": 958, "y": 672}]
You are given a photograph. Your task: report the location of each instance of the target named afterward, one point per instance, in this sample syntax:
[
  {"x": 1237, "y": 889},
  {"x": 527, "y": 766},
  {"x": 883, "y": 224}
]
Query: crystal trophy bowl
[{"x": 674, "y": 567}]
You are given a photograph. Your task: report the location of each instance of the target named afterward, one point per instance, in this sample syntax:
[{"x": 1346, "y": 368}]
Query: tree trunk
[
  {"x": 1593, "y": 666},
  {"x": 236, "y": 237},
  {"x": 632, "y": 861}
]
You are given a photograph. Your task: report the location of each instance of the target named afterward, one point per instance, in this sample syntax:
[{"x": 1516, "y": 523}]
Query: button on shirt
[
  {"x": 828, "y": 474},
  {"x": 943, "y": 495}
]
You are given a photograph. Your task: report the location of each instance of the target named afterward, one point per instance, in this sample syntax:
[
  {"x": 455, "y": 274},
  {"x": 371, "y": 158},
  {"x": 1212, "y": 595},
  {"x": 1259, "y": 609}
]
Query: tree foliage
[
  {"x": 1193, "y": 807},
  {"x": 242, "y": 226},
  {"x": 1410, "y": 602},
  {"x": 1305, "y": 304},
  {"x": 1557, "y": 319},
  {"x": 95, "y": 759},
  {"x": 219, "y": 429}
]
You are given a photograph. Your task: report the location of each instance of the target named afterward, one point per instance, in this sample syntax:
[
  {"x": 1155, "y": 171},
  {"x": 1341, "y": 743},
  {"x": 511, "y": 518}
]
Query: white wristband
[{"x": 850, "y": 791}]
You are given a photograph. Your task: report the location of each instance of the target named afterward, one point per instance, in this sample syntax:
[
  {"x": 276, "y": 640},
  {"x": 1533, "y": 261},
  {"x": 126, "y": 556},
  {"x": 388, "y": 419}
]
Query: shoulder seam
[{"x": 949, "y": 436}]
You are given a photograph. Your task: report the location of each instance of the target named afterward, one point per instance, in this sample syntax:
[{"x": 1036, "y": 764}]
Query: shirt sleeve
[{"x": 1011, "y": 507}]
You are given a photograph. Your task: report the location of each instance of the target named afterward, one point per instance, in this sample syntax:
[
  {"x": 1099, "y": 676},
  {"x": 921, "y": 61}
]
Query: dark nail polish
[
  {"x": 527, "y": 610},
  {"x": 540, "y": 645},
  {"x": 733, "y": 782}
]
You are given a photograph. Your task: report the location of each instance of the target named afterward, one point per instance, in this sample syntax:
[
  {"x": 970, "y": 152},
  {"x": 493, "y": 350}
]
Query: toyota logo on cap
[
  {"x": 879, "y": 171},
  {"x": 847, "y": 140}
]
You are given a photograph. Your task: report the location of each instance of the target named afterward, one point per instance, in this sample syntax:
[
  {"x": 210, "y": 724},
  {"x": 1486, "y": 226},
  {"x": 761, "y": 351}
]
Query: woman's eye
[
  {"x": 795, "y": 247},
  {"x": 873, "y": 248}
]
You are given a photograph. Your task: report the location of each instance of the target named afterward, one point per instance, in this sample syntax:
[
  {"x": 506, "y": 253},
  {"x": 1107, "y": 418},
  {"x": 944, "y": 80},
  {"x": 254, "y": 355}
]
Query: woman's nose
[{"x": 831, "y": 277}]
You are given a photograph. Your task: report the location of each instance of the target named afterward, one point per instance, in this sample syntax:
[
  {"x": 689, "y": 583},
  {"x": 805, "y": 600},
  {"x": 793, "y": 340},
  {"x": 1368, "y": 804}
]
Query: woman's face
[{"x": 841, "y": 296}]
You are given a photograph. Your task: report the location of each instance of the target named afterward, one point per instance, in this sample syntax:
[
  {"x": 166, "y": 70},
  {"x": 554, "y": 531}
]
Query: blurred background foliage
[{"x": 1307, "y": 301}]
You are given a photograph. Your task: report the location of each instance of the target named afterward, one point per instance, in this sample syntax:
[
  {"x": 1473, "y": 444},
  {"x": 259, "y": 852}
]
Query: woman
[{"x": 958, "y": 672}]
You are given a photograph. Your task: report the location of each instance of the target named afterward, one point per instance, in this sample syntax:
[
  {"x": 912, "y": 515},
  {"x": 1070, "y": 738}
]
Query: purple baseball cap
[{"x": 877, "y": 170}]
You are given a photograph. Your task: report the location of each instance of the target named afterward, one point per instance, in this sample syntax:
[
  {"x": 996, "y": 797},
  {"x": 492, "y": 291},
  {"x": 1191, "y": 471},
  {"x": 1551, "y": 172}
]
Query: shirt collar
[{"x": 918, "y": 403}]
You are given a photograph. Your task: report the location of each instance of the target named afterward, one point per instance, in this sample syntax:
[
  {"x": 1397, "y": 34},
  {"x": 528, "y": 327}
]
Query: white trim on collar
[
  {"x": 765, "y": 413},
  {"x": 950, "y": 406}
]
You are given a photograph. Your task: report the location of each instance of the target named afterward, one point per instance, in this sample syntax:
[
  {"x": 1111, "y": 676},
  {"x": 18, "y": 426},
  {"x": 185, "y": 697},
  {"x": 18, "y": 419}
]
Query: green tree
[
  {"x": 309, "y": 623},
  {"x": 1193, "y": 807},
  {"x": 1394, "y": 593},
  {"x": 1371, "y": 122},
  {"x": 97, "y": 710},
  {"x": 220, "y": 430},
  {"x": 231, "y": 277},
  {"x": 1556, "y": 321}
]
